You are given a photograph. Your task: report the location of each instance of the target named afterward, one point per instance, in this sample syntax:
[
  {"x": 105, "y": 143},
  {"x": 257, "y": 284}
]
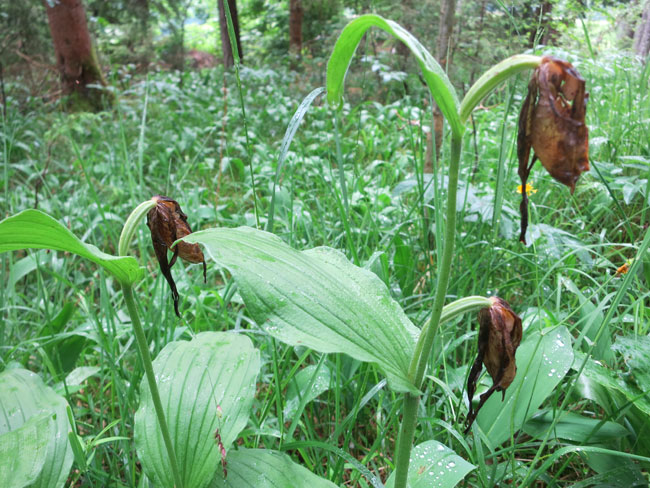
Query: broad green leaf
[
  {"x": 315, "y": 298},
  {"x": 612, "y": 381},
  {"x": 35, "y": 229},
  {"x": 574, "y": 427},
  {"x": 24, "y": 396},
  {"x": 305, "y": 386},
  {"x": 205, "y": 384},
  {"x": 263, "y": 468},
  {"x": 636, "y": 353},
  {"x": 439, "y": 85},
  {"x": 543, "y": 359},
  {"x": 434, "y": 465},
  {"x": 23, "y": 451}
]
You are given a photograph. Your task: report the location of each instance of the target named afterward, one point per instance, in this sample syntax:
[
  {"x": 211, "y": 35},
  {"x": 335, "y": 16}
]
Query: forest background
[{"x": 165, "y": 107}]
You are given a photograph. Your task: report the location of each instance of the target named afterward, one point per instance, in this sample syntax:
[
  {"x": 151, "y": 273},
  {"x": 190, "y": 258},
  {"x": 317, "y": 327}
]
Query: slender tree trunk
[
  {"x": 226, "y": 49},
  {"x": 75, "y": 56},
  {"x": 642, "y": 33},
  {"x": 295, "y": 27},
  {"x": 443, "y": 53}
]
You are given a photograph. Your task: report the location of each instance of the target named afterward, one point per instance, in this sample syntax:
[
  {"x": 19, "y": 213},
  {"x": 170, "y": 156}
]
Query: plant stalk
[
  {"x": 425, "y": 342},
  {"x": 143, "y": 348}
]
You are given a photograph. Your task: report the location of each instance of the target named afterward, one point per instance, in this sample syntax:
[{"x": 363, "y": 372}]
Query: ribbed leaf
[
  {"x": 543, "y": 359},
  {"x": 35, "y": 229},
  {"x": 23, "y": 396},
  {"x": 23, "y": 451},
  {"x": 316, "y": 298},
  {"x": 434, "y": 465},
  {"x": 263, "y": 468},
  {"x": 435, "y": 77},
  {"x": 205, "y": 384}
]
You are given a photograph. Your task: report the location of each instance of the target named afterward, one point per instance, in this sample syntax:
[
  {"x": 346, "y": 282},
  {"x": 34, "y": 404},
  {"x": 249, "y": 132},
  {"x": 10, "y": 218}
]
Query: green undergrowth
[{"x": 60, "y": 320}]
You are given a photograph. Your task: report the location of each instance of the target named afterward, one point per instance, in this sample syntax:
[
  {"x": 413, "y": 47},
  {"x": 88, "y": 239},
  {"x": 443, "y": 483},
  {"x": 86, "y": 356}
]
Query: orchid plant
[{"x": 197, "y": 395}]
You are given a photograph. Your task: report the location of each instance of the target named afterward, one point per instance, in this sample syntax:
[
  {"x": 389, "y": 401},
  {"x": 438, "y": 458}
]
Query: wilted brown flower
[
  {"x": 168, "y": 223},
  {"x": 498, "y": 339},
  {"x": 552, "y": 121}
]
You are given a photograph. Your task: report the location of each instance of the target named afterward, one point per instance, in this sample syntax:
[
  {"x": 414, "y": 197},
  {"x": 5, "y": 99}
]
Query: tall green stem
[
  {"x": 425, "y": 342},
  {"x": 143, "y": 349},
  {"x": 126, "y": 237}
]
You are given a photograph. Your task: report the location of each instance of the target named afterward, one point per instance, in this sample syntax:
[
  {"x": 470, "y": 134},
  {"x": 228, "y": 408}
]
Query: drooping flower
[
  {"x": 168, "y": 223},
  {"x": 498, "y": 339},
  {"x": 552, "y": 122}
]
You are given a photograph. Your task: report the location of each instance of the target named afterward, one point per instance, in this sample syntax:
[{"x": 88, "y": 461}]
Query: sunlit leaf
[
  {"x": 435, "y": 77},
  {"x": 35, "y": 229},
  {"x": 434, "y": 465},
  {"x": 205, "y": 384},
  {"x": 25, "y": 396},
  {"x": 543, "y": 359},
  {"x": 263, "y": 468},
  {"x": 316, "y": 298}
]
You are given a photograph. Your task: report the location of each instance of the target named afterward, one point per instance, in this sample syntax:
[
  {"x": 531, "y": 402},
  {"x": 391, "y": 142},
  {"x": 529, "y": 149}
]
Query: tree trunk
[
  {"x": 75, "y": 56},
  {"x": 226, "y": 48},
  {"x": 642, "y": 33},
  {"x": 295, "y": 27},
  {"x": 443, "y": 53}
]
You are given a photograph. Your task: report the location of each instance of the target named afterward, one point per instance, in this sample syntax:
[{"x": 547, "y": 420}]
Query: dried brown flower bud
[
  {"x": 168, "y": 223},
  {"x": 552, "y": 121},
  {"x": 498, "y": 339}
]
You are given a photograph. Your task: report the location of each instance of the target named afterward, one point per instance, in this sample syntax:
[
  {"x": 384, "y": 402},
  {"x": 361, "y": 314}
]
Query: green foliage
[
  {"x": 206, "y": 386},
  {"x": 315, "y": 298},
  {"x": 33, "y": 432},
  {"x": 34, "y": 229}
]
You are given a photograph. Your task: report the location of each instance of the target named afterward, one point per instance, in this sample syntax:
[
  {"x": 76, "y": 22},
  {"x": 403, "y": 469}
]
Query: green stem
[
  {"x": 425, "y": 342},
  {"x": 143, "y": 349},
  {"x": 405, "y": 439},
  {"x": 128, "y": 230}
]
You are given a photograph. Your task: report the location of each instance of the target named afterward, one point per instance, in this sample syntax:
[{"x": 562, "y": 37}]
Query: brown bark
[
  {"x": 443, "y": 55},
  {"x": 296, "y": 13},
  {"x": 642, "y": 33},
  {"x": 226, "y": 48},
  {"x": 75, "y": 56}
]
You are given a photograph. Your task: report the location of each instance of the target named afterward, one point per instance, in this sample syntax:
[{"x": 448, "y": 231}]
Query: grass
[{"x": 90, "y": 171}]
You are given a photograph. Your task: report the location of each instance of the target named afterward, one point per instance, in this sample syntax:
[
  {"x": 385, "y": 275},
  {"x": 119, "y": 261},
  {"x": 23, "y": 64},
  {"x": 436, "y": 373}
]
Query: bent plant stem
[
  {"x": 143, "y": 349},
  {"x": 126, "y": 237},
  {"x": 425, "y": 342}
]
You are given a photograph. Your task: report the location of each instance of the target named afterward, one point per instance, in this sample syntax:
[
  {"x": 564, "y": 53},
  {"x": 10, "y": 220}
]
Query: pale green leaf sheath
[{"x": 316, "y": 298}]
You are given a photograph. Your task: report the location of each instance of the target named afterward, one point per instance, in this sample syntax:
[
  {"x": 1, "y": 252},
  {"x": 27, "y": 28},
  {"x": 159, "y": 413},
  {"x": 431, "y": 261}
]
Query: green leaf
[
  {"x": 23, "y": 451},
  {"x": 25, "y": 396},
  {"x": 263, "y": 468},
  {"x": 574, "y": 427},
  {"x": 35, "y": 229},
  {"x": 315, "y": 298},
  {"x": 435, "y": 77},
  {"x": 434, "y": 465},
  {"x": 306, "y": 386},
  {"x": 205, "y": 384},
  {"x": 543, "y": 359}
]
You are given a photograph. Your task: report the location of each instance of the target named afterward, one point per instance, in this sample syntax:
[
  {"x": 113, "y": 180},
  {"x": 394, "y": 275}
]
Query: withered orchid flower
[
  {"x": 168, "y": 223},
  {"x": 498, "y": 339},
  {"x": 552, "y": 122}
]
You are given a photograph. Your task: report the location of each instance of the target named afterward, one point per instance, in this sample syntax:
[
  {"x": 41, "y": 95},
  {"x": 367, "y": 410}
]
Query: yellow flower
[{"x": 529, "y": 189}]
